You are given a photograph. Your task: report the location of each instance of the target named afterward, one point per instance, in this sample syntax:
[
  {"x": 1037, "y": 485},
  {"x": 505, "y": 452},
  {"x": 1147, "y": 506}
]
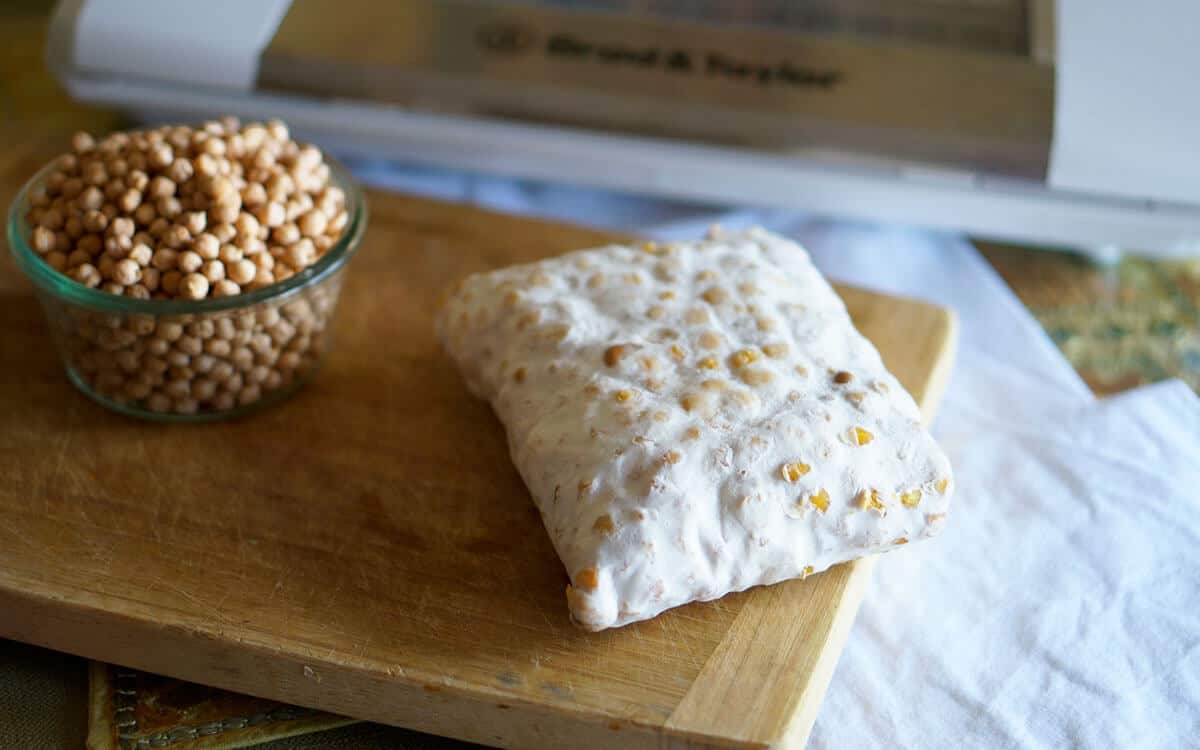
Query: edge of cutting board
[{"x": 710, "y": 715}]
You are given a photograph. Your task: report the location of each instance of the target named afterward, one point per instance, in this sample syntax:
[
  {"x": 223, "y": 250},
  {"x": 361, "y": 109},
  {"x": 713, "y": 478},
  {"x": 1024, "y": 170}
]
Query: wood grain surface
[{"x": 368, "y": 549}]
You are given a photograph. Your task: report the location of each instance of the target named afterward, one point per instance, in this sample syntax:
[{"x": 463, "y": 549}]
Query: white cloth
[{"x": 1061, "y": 606}]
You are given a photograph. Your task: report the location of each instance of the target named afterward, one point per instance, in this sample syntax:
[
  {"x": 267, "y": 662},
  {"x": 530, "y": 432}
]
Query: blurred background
[{"x": 991, "y": 118}]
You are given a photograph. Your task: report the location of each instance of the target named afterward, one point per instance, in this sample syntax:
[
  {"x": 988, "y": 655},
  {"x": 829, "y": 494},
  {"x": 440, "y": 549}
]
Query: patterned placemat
[
  {"x": 1122, "y": 325},
  {"x": 132, "y": 710}
]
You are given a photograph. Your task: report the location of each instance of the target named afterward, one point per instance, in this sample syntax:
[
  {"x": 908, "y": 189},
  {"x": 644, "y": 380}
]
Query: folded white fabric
[
  {"x": 1063, "y": 610},
  {"x": 694, "y": 419}
]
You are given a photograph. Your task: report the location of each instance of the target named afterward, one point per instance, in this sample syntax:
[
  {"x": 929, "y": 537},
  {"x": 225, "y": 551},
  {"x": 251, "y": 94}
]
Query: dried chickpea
[
  {"x": 301, "y": 254},
  {"x": 112, "y": 190},
  {"x": 254, "y": 195},
  {"x": 313, "y": 222},
  {"x": 190, "y": 345},
  {"x": 176, "y": 236},
  {"x": 86, "y": 274},
  {"x": 194, "y": 286},
  {"x": 94, "y": 173},
  {"x": 122, "y": 226},
  {"x": 217, "y": 347},
  {"x": 246, "y": 225},
  {"x": 169, "y": 282},
  {"x": 127, "y": 271},
  {"x": 141, "y": 254},
  {"x": 91, "y": 198},
  {"x": 241, "y": 272},
  {"x": 158, "y": 227},
  {"x": 225, "y": 288},
  {"x": 150, "y": 278},
  {"x": 78, "y": 257},
  {"x": 224, "y": 232},
  {"x": 213, "y": 270},
  {"x": 286, "y": 234},
  {"x": 117, "y": 246},
  {"x": 165, "y": 259},
  {"x": 137, "y": 179},
  {"x": 168, "y": 330},
  {"x": 229, "y": 254},
  {"x": 180, "y": 170},
  {"x": 129, "y": 201},
  {"x": 94, "y": 221},
  {"x": 90, "y": 244},
  {"x": 178, "y": 389},
  {"x": 145, "y": 214},
  {"x": 169, "y": 208},
  {"x": 189, "y": 261},
  {"x": 42, "y": 239},
  {"x": 206, "y": 245},
  {"x": 195, "y": 222},
  {"x": 262, "y": 277},
  {"x": 270, "y": 214},
  {"x": 223, "y": 212}
]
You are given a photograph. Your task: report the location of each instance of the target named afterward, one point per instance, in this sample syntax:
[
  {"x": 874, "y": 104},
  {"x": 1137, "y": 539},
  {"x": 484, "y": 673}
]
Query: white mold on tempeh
[{"x": 694, "y": 419}]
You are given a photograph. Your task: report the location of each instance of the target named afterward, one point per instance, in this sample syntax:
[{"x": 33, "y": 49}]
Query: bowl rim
[{"x": 64, "y": 288}]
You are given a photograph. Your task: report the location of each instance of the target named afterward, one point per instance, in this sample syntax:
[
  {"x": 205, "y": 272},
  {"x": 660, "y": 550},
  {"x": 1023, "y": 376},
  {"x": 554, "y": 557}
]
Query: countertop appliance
[{"x": 1071, "y": 123}]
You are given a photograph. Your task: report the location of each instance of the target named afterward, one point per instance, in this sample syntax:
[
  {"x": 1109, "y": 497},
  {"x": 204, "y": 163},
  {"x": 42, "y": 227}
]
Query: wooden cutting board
[{"x": 367, "y": 547}]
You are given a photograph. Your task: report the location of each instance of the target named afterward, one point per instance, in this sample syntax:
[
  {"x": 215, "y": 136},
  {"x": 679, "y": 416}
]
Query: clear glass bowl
[{"x": 192, "y": 361}]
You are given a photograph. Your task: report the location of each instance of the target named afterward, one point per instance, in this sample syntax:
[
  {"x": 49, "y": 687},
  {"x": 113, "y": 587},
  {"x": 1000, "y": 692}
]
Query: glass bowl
[{"x": 192, "y": 361}]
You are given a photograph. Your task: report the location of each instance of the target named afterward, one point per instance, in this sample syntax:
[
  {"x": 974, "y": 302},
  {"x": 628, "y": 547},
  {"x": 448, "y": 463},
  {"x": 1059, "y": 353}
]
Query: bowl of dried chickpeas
[{"x": 189, "y": 273}]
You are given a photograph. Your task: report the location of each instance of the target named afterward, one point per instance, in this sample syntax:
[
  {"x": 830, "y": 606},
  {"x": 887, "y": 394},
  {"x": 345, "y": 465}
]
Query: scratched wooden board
[{"x": 368, "y": 549}]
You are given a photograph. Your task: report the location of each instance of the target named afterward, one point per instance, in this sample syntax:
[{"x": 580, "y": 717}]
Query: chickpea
[
  {"x": 78, "y": 257},
  {"x": 165, "y": 259},
  {"x": 213, "y": 270},
  {"x": 57, "y": 260},
  {"x": 151, "y": 278},
  {"x": 127, "y": 272},
  {"x": 207, "y": 246},
  {"x": 189, "y": 261},
  {"x": 169, "y": 283},
  {"x": 86, "y": 274},
  {"x": 194, "y": 286},
  {"x": 225, "y": 288},
  {"x": 241, "y": 272}
]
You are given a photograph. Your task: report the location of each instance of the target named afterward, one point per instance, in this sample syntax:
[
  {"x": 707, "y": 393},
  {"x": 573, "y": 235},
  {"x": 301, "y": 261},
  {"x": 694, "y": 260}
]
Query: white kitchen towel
[{"x": 1061, "y": 605}]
